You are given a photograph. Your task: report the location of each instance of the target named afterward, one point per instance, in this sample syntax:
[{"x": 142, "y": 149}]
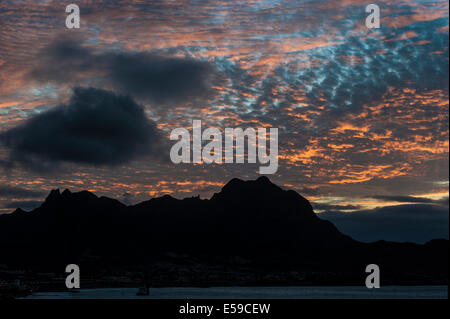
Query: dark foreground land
[{"x": 250, "y": 233}]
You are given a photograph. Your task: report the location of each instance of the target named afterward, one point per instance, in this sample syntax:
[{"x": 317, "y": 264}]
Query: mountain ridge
[{"x": 271, "y": 228}]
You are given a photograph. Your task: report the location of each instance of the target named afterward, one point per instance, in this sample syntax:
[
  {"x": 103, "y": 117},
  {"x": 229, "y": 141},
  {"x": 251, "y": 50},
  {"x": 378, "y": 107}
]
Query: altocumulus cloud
[
  {"x": 160, "y": 80},
  {"x": 96, "y": 127},
  {"x": 18, "y": 192}
]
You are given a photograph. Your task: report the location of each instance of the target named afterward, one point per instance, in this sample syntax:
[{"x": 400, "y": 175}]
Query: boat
[{"x": 144, "y": 290}]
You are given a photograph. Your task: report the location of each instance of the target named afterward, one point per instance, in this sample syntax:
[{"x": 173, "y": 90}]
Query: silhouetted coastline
[{"x": 251, "y": 233}]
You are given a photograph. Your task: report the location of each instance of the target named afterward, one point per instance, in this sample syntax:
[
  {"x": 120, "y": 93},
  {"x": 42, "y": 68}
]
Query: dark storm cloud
[
  {"x": 156, "y": 78},
  {"x": 18, "y": 192},
  {"x": 162, "y": 79},
  {"x": 96, "y": 127},
  {"x": 414, "y": 223}
]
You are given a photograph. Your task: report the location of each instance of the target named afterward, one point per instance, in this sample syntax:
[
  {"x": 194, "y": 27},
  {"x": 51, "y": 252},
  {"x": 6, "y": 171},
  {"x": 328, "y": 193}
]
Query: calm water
[{"x": 388, "y": 292}]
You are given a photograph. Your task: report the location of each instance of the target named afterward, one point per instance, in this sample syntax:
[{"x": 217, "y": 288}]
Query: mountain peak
[
  {"x": 260, "y": 181},
  {"x": 233, "y": 182},
  {"x": 19, "y": 211},
  {"x": 237, "y": 188},
  {"x": 54, "y": 195},
  {"x": 82, "y": 195},
  {"x": 264, "y": 180}
]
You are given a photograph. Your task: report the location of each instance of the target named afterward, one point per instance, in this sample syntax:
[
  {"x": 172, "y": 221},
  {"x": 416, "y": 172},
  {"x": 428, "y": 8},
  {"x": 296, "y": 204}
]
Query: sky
[{"x": 362, "y": 113}]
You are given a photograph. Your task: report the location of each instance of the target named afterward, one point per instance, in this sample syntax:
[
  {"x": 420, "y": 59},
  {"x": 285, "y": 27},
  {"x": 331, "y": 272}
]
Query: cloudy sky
[{"x": 362, "y": 113}]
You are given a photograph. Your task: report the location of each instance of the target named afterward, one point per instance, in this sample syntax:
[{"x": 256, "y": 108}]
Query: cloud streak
[{"x": 409, "y": 199}]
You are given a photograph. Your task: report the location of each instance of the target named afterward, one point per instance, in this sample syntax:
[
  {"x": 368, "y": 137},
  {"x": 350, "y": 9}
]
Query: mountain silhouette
[{"x": 250, "y": 228}]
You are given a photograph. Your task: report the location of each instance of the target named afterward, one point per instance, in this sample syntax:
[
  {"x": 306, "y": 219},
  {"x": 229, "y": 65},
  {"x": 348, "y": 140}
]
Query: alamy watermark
[
  {"x": 373, "y": 19},
  {"x": 373, "y": 279},
  {"x": 73, "y": 279},
  {"x": 73, "y": 19},
  {"x": 235, "y": 139}
]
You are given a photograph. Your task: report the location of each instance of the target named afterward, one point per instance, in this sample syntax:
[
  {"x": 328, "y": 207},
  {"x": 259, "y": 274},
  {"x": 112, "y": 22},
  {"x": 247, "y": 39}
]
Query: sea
[{"x": 315, "y": 292}]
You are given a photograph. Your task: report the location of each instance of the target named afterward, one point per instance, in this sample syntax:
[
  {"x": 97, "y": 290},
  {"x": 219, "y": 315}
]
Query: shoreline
[{"x": 261, "y": 292}]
